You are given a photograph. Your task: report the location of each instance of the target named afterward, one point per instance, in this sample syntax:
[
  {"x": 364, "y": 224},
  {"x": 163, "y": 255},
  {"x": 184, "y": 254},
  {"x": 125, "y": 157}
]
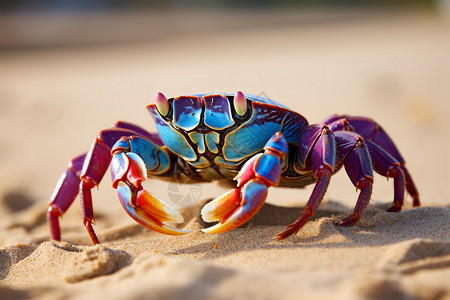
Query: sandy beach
[{"x": 54, "y": 100}]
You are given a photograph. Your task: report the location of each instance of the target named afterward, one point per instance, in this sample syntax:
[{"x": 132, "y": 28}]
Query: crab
[{"x": 251, "y": 141}]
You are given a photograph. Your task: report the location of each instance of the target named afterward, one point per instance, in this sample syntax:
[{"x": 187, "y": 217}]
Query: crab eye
[
  {"x": 162, "y": 104},
  {"x": 240, "y": 104},
  {"x": 187, "y": 112}
]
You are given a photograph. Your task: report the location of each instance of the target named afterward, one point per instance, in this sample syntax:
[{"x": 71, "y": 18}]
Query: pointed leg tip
[
  {"x": 279, "y": 237},
  {"x": 290, "y": 230},
  {"x": 349, "y": 221},
  {"x": 339, "y": 223},
  {"x": 394, "y": 208},
  {"x": 345, "y": 223}
]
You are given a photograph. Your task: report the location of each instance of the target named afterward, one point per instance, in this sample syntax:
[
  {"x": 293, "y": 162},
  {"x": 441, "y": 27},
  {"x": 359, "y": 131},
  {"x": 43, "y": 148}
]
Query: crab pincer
[
  {"x": 240, "y": 204},
  {"x": 128, "y": 171}
]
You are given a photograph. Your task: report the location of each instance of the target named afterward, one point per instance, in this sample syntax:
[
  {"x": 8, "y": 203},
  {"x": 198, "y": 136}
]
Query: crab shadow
[{"x": 378, "y": 227}]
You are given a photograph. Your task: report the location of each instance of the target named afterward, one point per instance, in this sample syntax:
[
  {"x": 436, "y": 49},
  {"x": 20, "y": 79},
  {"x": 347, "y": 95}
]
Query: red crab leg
[{"x": 253, "y": 181}]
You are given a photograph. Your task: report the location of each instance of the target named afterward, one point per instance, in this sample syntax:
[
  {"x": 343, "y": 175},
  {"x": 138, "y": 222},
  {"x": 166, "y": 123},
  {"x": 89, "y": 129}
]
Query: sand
[{"x": 395, "y": 69}]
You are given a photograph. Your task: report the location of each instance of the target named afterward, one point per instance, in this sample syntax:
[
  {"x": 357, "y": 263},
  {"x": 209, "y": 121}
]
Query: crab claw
[
  {"x": 235, "y": 207},
  {"x": 259, "y": 173},
  {"x": 128, "y": 172}
]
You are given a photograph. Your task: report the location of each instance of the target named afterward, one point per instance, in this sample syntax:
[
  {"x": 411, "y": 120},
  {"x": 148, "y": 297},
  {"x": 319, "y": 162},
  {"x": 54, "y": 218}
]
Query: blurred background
[
  {"x": 68, "y": 23},
  {"x": 71, "y": 68}
]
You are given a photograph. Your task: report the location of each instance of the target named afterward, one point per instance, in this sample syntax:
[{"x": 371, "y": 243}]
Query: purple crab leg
[
  {"x": 64, "y": 194},
  {"x": 354, "y": 154},
  {"x": 388, "y": 166},
  {"x": 372, "y": 131},
  {"x": 94, "y": 168},
  {"x": 85, "y": 172},
  {"x": 318, "y": 143},
  {"x": 340, "y": 125},
  {"x": 368, "y": 128}
]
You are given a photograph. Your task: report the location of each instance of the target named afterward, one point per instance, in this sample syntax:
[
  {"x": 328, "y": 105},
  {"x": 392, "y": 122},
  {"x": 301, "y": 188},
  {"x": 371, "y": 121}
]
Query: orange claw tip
[
  {"x": 252, "y": 198},
  {"x": 149, "y": 210},
  {"x": 151, "y": 222},
  {"x": 173, "y": 231},
  {"x": 222, "y": 207},
  {"x": 228, "y": 225},
  {"x": 155, "y": 225},
  {"x": 157, "y": 208},
  {"x": 240, "y": 103},
  {"x": 162, "y": 104}
]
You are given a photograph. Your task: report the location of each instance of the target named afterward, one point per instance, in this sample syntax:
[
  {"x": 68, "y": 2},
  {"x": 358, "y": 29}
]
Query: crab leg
[
  {"x": 85, "y": 172},
  {"x": 132, "y": 158},
  {"x": 372, "y": 131},
  {"x": 339, "y": 125},
  {"x": 354, "y": 154},
  {"x": 388, "y": 166},
  {"x": 65, "y": 193},
  {"x": 253, "y": 181},
  {"x": 318, "y": 144}
]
